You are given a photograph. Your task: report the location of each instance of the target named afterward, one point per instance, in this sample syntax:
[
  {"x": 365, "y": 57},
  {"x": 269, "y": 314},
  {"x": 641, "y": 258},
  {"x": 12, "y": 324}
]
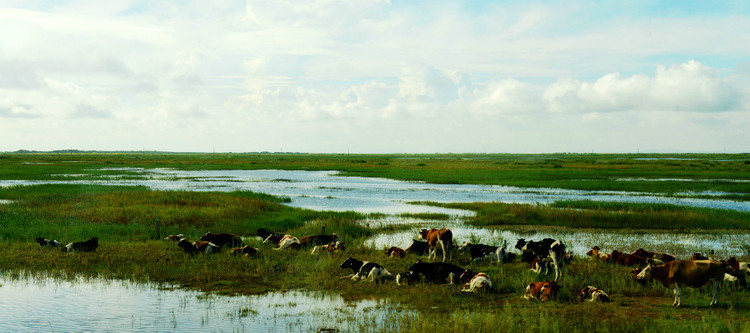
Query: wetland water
[
  {"x": 29, "y": 304},
  {"x": 325, "y": 190}
]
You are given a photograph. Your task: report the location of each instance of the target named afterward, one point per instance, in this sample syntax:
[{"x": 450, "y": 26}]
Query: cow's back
[{"x": 695, "y": 273}]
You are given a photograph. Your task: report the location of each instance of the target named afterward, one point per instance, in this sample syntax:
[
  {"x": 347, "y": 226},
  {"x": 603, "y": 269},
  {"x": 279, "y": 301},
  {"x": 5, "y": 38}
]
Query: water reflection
[
  {"x": 47, "y": 304},
  {"x": 325, "y": 190}
]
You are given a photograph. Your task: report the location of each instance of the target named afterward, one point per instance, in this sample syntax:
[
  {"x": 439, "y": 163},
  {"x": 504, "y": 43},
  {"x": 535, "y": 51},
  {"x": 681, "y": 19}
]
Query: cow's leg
[
  {"x": 677, "y": 296},
  {"x": 715, "y": 299},
  {"x": 442, "y": 246}
]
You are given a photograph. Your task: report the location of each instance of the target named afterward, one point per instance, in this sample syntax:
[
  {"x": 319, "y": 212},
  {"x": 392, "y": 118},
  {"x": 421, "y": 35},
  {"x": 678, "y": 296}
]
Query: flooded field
[
  {"x": 97, "y": 305},
  {"x": 325, "y": 190}
]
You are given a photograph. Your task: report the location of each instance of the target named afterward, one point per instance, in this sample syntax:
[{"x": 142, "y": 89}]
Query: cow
[
  {"x": 331, "y": 247},
  {"x": 418, "y": 247},
  {"x": 539, "y": 265},
  {"x": 542, "y": 290},
  {"x": 474, "y": 281},
  {"x": 692, "y": 273},
  {"x": 595, "y": 253},
  {"x": 288, "y": 242},
  {"x": 592, "y": 294},
  {"x": 627, "y": 259},
  {"x": 87, "y": 246},
  {"x": 47, "y": 242},
  {"x": 738, "y": 266},
  {"x": 481, "y": 252},
  {"x": 315, "y": 240},
  {"x": 246, "y": 250},
  {"x": 222, "y": 239},
  {"x": 269, "y": 237},
  {"x": 365, "y": 270},
  {"x": 395, "y": 252},
  {"x": 192, "y": 248},
  {"x": 435, "y": 272},
  {"x": 554, "y": 250},
  {"x": 174, "y": 238},
  {"x": 435, "y": 238},
  {"x": 648, "y": 254}
]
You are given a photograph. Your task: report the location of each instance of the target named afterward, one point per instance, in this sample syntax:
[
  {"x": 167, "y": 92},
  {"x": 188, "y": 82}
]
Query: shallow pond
[
  {"x": 325, "y": 190},
  {"x": 681, "y": 245},
  {"x": 47, "y": 304}
]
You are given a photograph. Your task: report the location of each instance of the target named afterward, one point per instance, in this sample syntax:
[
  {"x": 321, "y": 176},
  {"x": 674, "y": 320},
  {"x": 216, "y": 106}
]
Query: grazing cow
[
  {"x": 482, "y": 252},
  {"x": 542, "y": 290},
  {"x": 692, "y": 273},
  {"x": 174, "y": 238},
  {"x": 87, "y": 246},
  {"x": 435, "y": 272},
  {"x": 288, "y": 241},
  {"x": 366, "y": 270},
  {"x": 331, "y": 247},
  {"x": 592, "y": 294},
  {"x": 315, "y": 240},
  {"x": 47, "y": 242},
  {"x": 627, "y": 259},
  {"x": 545, "y": 249},
  {"x": 474, "y": 281},
  {"x": 192, "y": 248},
  {"x": 648, "y": 254},
  {"x": 222, "y": 239},
  {"x": 435, "y": 238},
  {"x": 395, "y": 252},
  {"x": 246, "y": 250}
]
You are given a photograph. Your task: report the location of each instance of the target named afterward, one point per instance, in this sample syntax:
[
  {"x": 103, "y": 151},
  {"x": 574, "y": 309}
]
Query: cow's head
[
  {"x": 465, "y": 247},
  {"x": 520, "y": 243},
  {"x": 594, "y": 251},
  {"x": 549, "y": 290},
  {"x": 733, "y": 264},
  {"x": 423, "y": 234},
  {"x": 348, "y": 263},
  {"x": 466, "y": 276}
]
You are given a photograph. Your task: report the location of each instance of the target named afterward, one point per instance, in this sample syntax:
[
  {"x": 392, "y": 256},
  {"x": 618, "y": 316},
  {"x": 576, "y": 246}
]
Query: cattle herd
[{"x": 542, "y": 257}]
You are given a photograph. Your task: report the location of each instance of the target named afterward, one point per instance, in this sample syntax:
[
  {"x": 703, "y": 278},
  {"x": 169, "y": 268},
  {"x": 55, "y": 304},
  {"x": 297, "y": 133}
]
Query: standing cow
[{"x": 435, "y": 238}]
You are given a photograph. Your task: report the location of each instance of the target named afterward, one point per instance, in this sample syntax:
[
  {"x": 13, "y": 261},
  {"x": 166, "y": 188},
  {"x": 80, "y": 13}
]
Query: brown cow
[
  {"x": 648, "y": 254},
  {"x": 395, "y": 252},
  {"x": 247, "y": 250},
  {"x": 542, "y": 290},
  {"x": 692, "y": 273},
  {"x": 438, "y": 237},
  {"x": 626, "y": 259}
]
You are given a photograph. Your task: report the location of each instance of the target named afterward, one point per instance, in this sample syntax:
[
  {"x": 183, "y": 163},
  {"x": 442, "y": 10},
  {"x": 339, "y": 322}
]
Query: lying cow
[
  {"x": 483, "y": 252},
  {"x": 438, "y": 238},
  {"x": 222, "y": 239},
  {"x": 288, "y": 242},
  {"x": 592, "y": 294},
  {"x": 395, "y": 252},
  {"x": 366, "y": 270},
  {"x": 542, "y": 290},
  {"x": 174, "y": 238},
  {"x": 47, "y": 242},
  {"x": 87, "y": 246},
  {"x": 547, "y": 248},
  {"x": 192, "y": 248},
  {"x": 692, "y": 273},
  {"x": 595, "y": 253},
  {"x": 474, "y": 282},
  {"x": 435, "y": 272},
  {"x": 655, "y": 255},
  {"x": 332, "y": 247},
  {"x": 418, "y": 247},
  {"x": 627, "y": 259},
  {"x": 315, "y": 240},
  {"x": 246, "y": 250},
  {"x": 269, "y": 237}
]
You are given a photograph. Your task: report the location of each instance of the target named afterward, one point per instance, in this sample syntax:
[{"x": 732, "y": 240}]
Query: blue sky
[{"x": 376, "y": 76}]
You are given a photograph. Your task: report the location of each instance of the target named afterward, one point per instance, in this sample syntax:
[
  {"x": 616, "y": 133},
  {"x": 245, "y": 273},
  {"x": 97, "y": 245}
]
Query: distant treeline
[{"x": 78, "y": 151}]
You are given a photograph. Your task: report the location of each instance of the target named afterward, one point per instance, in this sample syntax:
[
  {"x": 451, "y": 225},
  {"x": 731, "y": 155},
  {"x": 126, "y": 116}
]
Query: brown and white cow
[
  {"x": 191, "y": 247},
  {"x": 435, "y": 238},
  {"x": 691, "y": 273},
  {"x": 627, "y": 259},
  {"x": 329, "y": 248},
  {"x": 395, "y": 252},
  {"x": 595, "y": 253},
  {"x": 542, "y": 290},
  {"x": 288, "y": 241},
  {"x": 174, "y": 238},
  {"x": 474, "y": 281},
  {"x": 592, "y": 294},
  {"x": 246, "y": 250}
]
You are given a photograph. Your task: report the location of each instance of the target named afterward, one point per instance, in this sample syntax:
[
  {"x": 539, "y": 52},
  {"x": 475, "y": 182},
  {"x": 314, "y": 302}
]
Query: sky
[{"x": 373, "y": 76}]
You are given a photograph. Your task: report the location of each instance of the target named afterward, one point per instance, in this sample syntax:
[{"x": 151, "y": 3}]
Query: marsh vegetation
[{"x": 131, "y": 220}]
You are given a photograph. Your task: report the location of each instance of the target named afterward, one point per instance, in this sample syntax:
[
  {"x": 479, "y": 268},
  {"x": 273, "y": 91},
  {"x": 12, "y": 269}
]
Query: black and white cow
[
  {"x": 366, "y": 270},
  {"x": 47, "y": 242},
  {"x": 433, "y": 272},
  {"x": 547, "y": 248}
]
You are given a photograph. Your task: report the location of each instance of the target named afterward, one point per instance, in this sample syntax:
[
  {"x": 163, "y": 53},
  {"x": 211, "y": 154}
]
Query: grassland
[{"x": 126, "y": 218}]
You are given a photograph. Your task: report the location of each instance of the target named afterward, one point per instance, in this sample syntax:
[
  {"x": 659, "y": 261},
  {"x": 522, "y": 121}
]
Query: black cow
[{"x": 435, "y": 272}]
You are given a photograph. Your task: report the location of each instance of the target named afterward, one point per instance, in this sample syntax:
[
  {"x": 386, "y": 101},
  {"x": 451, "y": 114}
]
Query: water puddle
[
  {"x": 325, "y": 190},
  {"x": 681, "y": 245},
  {"x": 48, "y": 304}
]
